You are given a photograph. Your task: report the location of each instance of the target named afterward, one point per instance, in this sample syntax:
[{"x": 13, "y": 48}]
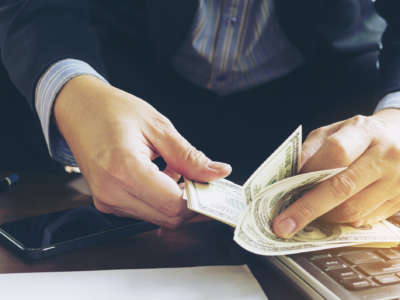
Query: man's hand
[
  {"x": 368, "y": 191},
  {"x": 114, "y": 137}
]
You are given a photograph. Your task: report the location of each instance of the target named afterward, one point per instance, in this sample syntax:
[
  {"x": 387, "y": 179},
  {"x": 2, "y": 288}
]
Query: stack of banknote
[{"x": 251, "y": 208}]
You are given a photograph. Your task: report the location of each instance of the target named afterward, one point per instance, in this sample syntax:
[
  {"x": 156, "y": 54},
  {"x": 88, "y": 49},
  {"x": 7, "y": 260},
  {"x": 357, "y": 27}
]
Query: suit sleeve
[
  {"x": 389, "y": 60},
  {"x": 35, "y": 34}
]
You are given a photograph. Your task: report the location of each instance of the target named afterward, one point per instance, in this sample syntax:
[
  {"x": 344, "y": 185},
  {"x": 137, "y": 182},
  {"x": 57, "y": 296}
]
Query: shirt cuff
[
  {"x": 47, "y": 90},
  {"x": 391, "y": 100}
]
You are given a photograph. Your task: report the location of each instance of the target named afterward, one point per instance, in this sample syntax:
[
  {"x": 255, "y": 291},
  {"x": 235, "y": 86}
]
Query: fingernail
[
  {"x": 286, "y": 227},
  {"x": 219, "y": 166}
]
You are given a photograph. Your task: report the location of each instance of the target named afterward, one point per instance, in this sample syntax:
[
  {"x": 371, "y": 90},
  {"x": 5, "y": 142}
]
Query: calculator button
[
  {"x": 389, "y": 253},
  {"x": 387, "y": 279},
  {"x": 359, "y": 257},
  {"x": 329, "y": 263},
  {"x": 356, "y": 283},
  {"x": 319, "y": 256},
  {"x": 345, "y": 273},
  {"x": 378, "y": 268}
]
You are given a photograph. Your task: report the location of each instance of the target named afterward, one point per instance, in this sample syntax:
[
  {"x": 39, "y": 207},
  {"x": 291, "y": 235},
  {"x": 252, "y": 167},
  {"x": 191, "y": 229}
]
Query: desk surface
[{"x": 201, "y": 242}]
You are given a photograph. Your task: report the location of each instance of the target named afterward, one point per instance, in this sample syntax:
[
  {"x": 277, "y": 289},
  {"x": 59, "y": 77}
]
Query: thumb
[{"x": 185, "y": 159}]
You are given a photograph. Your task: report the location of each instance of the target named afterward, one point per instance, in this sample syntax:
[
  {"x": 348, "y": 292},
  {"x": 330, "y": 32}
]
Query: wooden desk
[{"x": 199, "y": 243}]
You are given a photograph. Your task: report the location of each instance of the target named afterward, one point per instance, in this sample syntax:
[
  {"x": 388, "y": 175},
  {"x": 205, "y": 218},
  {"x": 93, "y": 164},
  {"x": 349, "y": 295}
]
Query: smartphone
[{"x": 46, "y": 235}]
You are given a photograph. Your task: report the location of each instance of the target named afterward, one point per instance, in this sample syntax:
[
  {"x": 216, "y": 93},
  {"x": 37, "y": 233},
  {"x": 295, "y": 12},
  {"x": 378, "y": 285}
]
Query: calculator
[{"x": 344, "y": 273}]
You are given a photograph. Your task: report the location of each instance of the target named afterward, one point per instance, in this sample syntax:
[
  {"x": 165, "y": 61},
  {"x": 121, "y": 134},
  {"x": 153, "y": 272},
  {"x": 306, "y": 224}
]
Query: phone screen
[{"x": 50, "y": 229}]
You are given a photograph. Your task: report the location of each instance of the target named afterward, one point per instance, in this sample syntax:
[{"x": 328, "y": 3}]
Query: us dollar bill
[
  {"x": 221, "y": 200},
  {"x": 271, "y": 189},
  {"x": 254, "y": 231},
  {"x": 282, "y": 163},
  {"x": 280, "y": 196},
  {"x": 248, "y": 238}
]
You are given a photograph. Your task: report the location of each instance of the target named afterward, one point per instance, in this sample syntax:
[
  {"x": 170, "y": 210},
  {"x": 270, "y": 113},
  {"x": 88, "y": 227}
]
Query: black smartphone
[{"x": 46, "y": 235}]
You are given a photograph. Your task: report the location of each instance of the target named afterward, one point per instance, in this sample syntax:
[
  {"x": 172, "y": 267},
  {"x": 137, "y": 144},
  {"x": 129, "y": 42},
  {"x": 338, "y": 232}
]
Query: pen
[{"x": 7, "y": 182}]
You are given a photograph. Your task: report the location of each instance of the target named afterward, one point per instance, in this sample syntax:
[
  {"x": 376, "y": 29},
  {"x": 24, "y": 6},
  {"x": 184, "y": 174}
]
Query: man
[{"x": 234, "y": 77}]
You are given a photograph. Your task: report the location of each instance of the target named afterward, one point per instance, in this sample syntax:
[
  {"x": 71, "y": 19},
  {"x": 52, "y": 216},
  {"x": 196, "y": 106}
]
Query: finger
[
  {"x": 340, "y": 149},
  {"x": 183, "y": 157},
  {"x": 315, "y": 140},
  {"x": 186, "y": 218},
  {"x": 328, "y": 195},
  {"x": 157, "y": 189},
  {"x": 119, "y": 202},
  {"x": 388, "y": 209},
  {"x": 139, "y": 176},
  {"x": 171, "y": 173},
  {"x": 362, "y": 203}
]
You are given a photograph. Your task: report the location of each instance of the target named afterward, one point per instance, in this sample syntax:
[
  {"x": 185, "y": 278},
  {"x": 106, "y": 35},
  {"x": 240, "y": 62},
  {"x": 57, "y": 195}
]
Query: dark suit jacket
[{"x": 36, "y": 33}]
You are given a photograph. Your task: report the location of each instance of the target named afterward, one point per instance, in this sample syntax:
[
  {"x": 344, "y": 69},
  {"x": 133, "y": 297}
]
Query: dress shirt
[
  {"x": 47, "y": 90},
  {"x": 232, "y": 45}
]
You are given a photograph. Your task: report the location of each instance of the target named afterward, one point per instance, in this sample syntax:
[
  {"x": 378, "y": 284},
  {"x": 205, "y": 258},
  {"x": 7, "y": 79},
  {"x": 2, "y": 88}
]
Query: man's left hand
[{"x": 368, "y": 191}]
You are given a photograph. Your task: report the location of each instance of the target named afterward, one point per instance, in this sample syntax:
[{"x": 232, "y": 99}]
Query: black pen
[{"x": 7, "y": 182}]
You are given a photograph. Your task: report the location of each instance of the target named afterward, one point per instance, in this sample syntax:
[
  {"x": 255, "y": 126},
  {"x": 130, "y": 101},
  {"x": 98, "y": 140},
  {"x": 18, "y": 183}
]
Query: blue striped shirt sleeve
[
  {"x": 392, "y": 100},
  {"x": 47, "y": 90}
]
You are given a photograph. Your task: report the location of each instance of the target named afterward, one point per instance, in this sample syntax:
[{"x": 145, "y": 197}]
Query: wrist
[{"x": 75, "y": 100}]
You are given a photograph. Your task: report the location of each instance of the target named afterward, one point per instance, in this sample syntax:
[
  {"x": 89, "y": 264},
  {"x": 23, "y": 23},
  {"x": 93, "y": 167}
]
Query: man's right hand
[{"x": 114, "y": 137}]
